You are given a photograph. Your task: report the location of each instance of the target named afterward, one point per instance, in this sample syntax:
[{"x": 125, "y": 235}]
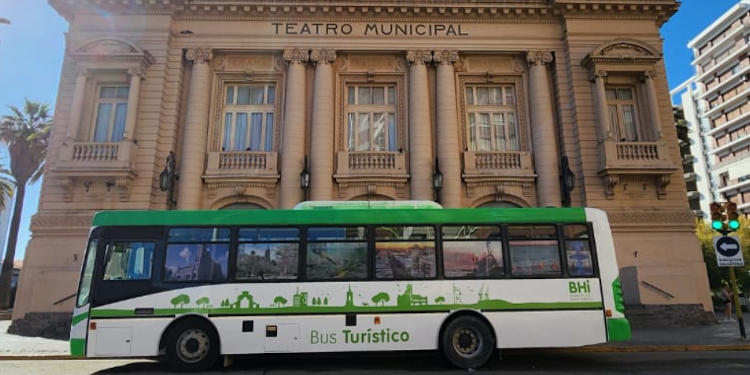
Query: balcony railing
[
  {"x": 497, "y": 163},
  {"x": 353, "y": 163},
  {"x": 241, "y": 163},
  {"x": 636, "y": 156},
  {"x": 95, "y": 158}
]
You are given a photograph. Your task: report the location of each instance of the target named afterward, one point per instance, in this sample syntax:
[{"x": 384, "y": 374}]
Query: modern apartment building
[
  {"x": 239, "y": 95},
  {"x": 716, "y": 102}
]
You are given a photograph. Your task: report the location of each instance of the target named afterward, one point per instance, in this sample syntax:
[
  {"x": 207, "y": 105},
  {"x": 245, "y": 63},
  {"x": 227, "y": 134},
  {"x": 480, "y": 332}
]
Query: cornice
[{"x": 529, "y": 11}]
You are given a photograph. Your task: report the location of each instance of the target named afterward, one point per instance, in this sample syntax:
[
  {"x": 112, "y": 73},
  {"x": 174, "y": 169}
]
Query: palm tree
[{"x": 26, "y": 134}]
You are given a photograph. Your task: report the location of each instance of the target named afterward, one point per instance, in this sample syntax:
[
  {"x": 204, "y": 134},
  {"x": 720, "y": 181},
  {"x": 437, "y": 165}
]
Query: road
[{"x": 514, "y": 362}]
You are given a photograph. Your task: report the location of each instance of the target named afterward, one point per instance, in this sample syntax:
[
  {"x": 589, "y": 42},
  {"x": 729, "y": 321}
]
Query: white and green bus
[{"x": 196, "y": 285}]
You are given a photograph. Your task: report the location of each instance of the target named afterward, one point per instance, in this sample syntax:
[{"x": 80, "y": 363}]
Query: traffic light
[
  {"x": 733, "y": 218},
  {"x": 717, "y": 216}
]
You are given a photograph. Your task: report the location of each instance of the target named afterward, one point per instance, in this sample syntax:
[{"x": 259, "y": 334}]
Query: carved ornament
[
  {"x": 296, "y": 55},
  {"x": 323, "y": 55},
  {"x": 538, "y": 57},
  {"x": 419, "y": 56},
  {"x": 445, "y": 56},
  {"x": 199, "y": 55}
]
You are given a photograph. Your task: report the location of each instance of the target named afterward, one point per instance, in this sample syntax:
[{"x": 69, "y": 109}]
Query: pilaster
[
  {"x": 321, "y": 158},
  {"x": 420, "y": 138}
]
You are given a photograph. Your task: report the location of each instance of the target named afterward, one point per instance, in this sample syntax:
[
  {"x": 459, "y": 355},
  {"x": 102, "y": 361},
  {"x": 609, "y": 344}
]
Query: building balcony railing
[
  {"x": 498, "y": 163},
  {"x": 114, "y": 159},
  {"x": 239, "y": 164},
  {"x": 371, "y": 163},
  {"x": 636, "y": 156}
]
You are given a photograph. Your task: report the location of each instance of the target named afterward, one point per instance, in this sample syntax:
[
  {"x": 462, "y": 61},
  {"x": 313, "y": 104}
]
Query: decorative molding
[
  {"x": 66, "y": 221},
  {"x": 622, "y": 54},
  {"x": 296, "y": 55},
  {"x": 323, "y": 55},
  {"x": 445, "y": 56},
  {"x": 199, "y": 55},
  {"x": 661, "y": 185},
  {"x": 419, "y": 56},
  {"x": 610, "y": 181},
  {"x": 641, "y": 217},
  {"x": 104, "y": 53},
  {"x": 539, "y": 57}
]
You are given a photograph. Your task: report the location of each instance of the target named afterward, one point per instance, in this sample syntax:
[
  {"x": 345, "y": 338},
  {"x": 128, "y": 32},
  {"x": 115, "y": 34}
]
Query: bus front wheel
[
  {"x": 467, "y": 342},
  {"x": 192, "y": 345}
]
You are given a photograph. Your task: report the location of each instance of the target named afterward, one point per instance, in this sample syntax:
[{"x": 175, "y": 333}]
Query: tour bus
[{"x": 346, "y": 276}]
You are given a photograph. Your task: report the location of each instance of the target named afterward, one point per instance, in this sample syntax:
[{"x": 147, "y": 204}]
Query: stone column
[
  {"x": 447, "y": 129},
  {"x": 544, "y": 137},
  {"x": 193, "y": 152},
  {"x": 77, "y": 106},
  {"x": 134, "y": 94},
  {"x": 653, "y": 104},
  {"x": 293, "y": 144},
  {"x": 321, "y": 153},
  {"x": 602, "y": 111},
  {"x": 420, "y": 137}
]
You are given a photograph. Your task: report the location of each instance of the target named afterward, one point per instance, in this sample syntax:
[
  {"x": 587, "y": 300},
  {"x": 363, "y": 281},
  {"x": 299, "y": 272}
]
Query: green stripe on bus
[
  {"x": 495, "y": 305},
  {"x": 341, "y": 217},
  {"x": 78, "y": 318},
  {"x": 618, "y": 329},
  {"x": 77, "y": 347}
]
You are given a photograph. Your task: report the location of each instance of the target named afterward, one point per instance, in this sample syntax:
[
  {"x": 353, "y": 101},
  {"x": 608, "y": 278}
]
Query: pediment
[
  {"x": 111, "y": 49},
  {"x": 622, "y": 52}
]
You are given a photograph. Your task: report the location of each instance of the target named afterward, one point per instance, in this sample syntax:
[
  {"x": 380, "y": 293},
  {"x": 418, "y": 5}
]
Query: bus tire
[
  {"x": 192, "y": 345},
  {"x": 467, "y": 342}
]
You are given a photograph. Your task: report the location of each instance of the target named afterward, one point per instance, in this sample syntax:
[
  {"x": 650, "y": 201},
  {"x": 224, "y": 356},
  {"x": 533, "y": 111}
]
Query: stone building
[{"x": 373, "y": 95}]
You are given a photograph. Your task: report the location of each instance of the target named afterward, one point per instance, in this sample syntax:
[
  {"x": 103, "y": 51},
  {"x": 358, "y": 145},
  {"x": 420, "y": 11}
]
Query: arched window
[
  {"x": 499, "y": 204},
  {"x": 242, "y": 206}
]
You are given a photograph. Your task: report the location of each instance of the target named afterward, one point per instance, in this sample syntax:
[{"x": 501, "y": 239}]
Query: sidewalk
[
  {"x": 14, "y": 345},
  {"x": 722, "y": 336}
]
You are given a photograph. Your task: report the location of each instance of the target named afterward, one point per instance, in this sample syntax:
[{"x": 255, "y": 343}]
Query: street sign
[{"x": 728, "y": 251}]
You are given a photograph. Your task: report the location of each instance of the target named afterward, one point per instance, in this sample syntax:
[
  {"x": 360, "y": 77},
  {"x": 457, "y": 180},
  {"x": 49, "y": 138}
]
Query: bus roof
[{"x": 342, "y": 217}]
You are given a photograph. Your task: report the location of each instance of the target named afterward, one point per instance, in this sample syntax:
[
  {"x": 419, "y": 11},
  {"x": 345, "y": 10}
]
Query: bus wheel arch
[
  {"x": 180, "y": 329},
  {"x": 482, "y": 324}
]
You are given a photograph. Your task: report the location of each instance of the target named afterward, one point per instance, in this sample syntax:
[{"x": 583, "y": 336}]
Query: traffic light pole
[{"x": 736, "y": 298}]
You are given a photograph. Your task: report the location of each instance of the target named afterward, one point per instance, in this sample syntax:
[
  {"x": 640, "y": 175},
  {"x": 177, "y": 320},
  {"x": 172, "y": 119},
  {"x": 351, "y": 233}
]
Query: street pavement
[{"x": 513, "y": 362}]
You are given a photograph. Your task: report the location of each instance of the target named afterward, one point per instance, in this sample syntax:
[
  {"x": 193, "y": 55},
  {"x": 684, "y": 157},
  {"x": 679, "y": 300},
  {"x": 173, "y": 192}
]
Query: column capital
[
  {"x": 646, "y": 75},
  {"x": 139, "y": 71},
  {"x": 296, "y": 55},
  {"x": 200, "y": 54},
  {"x": 445, "y": 56},
  {"x": 419, "y": 56},
  {"x": 538, "y": 57},
  {"x": 323, "y": 55},
  {"x": 83, "y": 71},
  {"x": 600, "y": 74}
]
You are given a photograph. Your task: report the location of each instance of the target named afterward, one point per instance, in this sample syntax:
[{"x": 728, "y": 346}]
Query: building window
[
  {"x": 111, "y": 110},
  {"x": 622, "y": 113},
  {"x": 371, "y": 118},
  {"x": 249, "y": 118},
  {"x": 491, "y": 118}
]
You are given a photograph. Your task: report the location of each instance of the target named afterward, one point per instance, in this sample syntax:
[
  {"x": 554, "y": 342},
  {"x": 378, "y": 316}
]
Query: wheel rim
[
  {"x": 467, "y": 342},
  {"x": 192, "y": 345}
]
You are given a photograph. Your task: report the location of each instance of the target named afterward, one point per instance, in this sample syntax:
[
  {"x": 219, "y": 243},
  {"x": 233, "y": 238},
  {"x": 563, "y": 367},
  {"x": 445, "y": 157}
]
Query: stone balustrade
[
  {"x": 96, "y": 158},
  {"x": 247, "y": 163},
  {"x": 95, "y": 151},
  {"x": 497, "y": 163},
  {"x": 370, "y": 162}
]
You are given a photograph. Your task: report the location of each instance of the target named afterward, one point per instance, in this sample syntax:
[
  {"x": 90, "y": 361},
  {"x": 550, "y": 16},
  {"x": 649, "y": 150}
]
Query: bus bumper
[{"x": 618, "y": 329}]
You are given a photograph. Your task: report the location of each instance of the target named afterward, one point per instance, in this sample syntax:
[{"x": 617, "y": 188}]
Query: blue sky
[{"x": 32, "y": 46}]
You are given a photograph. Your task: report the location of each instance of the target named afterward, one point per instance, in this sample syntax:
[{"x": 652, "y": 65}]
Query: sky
[{"x": 32, "y": 47}]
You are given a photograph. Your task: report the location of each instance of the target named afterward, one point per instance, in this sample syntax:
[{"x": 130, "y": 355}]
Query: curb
[
  {"x": 582, "y": 349},
  {"x": 645, "y": 348}
]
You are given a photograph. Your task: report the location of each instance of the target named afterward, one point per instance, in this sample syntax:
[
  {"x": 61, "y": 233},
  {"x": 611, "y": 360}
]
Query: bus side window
[
  {"x": 129, "y": 261},
  {"x": 577, "y": 250},
  {"x": 534, "y": 250},
  {"x": 336, "y": 253},
  {"x": 267, "y": 254},
  {"x": 471, "y": 251},
  {"x": 405, "y": 252},
  {"x": 197, "y": 254}
]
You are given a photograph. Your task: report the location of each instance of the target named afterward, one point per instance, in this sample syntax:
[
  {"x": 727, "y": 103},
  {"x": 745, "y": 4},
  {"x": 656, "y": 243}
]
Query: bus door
[{"x": 80, "y": 321}]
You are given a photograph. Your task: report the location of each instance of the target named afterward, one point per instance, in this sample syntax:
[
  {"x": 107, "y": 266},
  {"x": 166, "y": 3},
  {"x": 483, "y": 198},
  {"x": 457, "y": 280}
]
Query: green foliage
[
  {"x": 440, "y": 299},
  {"x": 718, "y": 274},
  {"x": 181, "y": 300},
  {"x": 381, "y": 298},
  {"x": 280, "y": 301},
  {"x": 203, "y": 301}
]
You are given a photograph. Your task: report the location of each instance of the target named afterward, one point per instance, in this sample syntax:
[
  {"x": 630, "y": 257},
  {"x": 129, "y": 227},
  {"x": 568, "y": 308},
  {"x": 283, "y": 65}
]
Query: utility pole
[{"x": 725, "y": 219}]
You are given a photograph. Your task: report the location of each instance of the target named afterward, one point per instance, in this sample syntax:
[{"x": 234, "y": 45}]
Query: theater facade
[{"x": 533, "y": 103}]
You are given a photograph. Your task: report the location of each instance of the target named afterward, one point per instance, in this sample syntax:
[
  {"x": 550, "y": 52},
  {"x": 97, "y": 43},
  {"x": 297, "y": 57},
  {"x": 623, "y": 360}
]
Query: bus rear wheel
[
  {"x": 467, "y": 342},
  {"x": 192, "y": 345}
]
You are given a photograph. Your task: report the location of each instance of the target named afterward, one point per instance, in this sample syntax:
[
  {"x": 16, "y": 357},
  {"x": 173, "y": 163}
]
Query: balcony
[
  {"x": 635, "y": 158},
  {"x": 490, "y": 169},
  {"x": 241, "y": 166},
  {"x": 114, "y": 162},
  {"x": 371, "y": 173}
]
